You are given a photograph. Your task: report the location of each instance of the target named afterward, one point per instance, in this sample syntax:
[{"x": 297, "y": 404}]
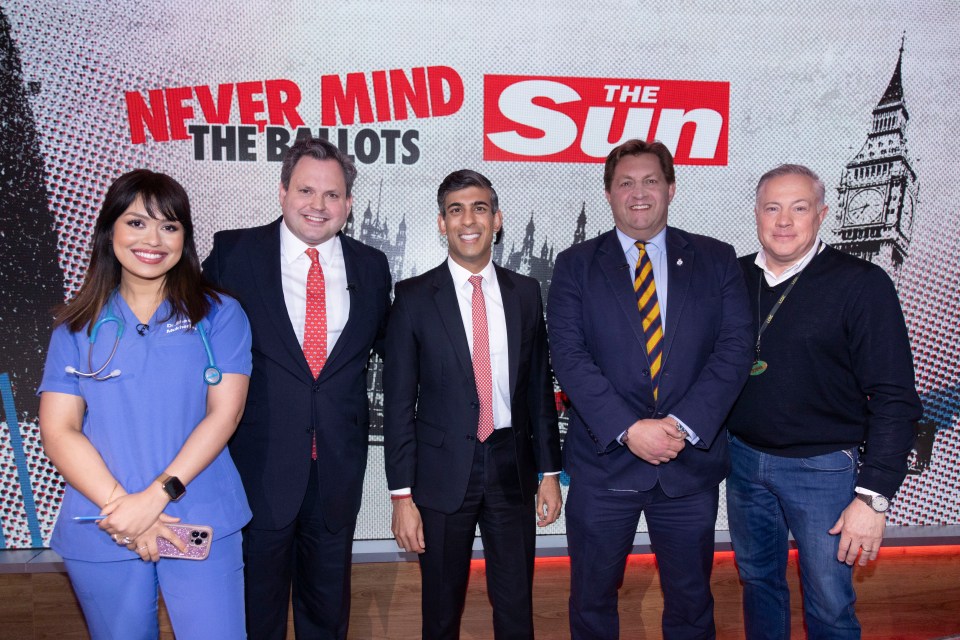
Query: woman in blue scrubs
[{"x": 145, "y": 382}]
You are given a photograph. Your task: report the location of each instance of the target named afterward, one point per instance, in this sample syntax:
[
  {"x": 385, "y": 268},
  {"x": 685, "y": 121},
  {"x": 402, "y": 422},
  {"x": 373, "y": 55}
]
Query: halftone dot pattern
[
  {"x": 805, "y": 99},
  {"x": 481, "y": 360}
]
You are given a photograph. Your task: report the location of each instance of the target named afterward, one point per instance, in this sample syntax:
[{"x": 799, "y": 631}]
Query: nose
[{"x": 153, "y": 235}]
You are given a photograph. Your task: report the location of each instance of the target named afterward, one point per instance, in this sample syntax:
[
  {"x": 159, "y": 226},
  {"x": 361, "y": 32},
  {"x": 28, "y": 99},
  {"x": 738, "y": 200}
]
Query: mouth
[
  {"x": 315, "y": 218},
  {"x": 469, "y": 237},
  {"x": 149, "y": 257},
  {"x": 639, "y": 207}
]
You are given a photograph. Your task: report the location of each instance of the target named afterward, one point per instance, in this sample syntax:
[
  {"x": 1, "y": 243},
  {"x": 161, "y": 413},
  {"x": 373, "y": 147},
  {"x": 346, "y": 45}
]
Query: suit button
[
  {"x": 470, "y": 437},
  {"x": 645, "y": 372},
  {"x": 650, "y": 409},
  {"x": 316, "y": 387},
  {"x": 475, "y": 405}
]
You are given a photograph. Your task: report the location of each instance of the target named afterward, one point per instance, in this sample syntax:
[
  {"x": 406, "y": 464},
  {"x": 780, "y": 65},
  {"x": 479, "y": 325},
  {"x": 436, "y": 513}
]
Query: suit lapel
[
  {"x": 614, "y": 265},
  {"x": 266, "y": 274},
  {"x": 512, "y": 313},
  {"x": 445, "y": 298},
  {"x": 680, "y": 259},
  {"x": 352, "y": 268}
]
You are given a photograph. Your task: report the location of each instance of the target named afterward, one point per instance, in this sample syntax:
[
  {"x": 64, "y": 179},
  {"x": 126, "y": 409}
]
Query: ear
[
  {"x": 671, "y": 191},
  {"x": 282, "y": 194},
  {"x": 441, "y": 224},
  {"x": 497, "y": 220}
]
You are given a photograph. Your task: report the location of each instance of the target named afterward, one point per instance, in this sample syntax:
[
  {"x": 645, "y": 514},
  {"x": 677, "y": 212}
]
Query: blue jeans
[{"x": 767, "y": 495}]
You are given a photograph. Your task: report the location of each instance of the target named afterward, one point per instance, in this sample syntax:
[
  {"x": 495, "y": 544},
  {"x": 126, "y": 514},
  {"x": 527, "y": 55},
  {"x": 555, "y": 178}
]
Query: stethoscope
[{"x": 211, "y": 373}]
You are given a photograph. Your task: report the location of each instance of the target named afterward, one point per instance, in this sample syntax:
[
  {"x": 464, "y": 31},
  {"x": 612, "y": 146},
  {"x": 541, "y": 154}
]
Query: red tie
[
  {"x": 481, "y": 361},
  {"x": 315, "y": 324}
]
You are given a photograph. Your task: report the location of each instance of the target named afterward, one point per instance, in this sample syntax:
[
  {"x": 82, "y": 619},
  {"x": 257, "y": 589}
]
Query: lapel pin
[{"x": 679, "y": 262}]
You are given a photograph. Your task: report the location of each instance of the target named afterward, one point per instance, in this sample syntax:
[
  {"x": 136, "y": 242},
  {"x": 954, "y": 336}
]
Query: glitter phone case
[{"x": 197, "y": 537}]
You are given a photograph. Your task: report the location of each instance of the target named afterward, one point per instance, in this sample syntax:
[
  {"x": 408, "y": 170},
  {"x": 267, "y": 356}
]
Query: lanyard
[{"x": 759, "y": 366}]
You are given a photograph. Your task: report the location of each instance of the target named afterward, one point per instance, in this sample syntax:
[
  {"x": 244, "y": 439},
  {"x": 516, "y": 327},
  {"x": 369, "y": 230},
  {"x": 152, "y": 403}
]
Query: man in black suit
[
  {"x": 301, "y": 447},
  {"x": 469, "y": 418}
]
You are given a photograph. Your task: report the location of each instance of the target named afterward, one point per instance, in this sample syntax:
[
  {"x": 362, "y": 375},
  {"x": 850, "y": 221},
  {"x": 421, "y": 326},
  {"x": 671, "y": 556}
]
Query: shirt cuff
[
  {"x": 867, "y": 492},
  {"x": 400, "y": 492},
  {"x": 691, "y": 434},
  {"x": 550, "y": 473}
]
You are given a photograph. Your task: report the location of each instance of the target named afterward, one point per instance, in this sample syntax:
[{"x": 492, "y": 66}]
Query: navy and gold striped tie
[{"x": 649, "y": 307}]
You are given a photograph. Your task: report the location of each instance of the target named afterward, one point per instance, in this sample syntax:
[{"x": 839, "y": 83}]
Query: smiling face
[
  {"x": 315, "y": 205},
  {"x": 789, "y": 216},
  {"x": 146, "y": 247},
  {"x": 469, "y": 222},
  {"x": 639, "y": 196}
]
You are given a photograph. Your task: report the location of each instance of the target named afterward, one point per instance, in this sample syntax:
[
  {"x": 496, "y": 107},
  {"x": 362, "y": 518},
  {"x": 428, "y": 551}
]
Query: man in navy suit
[
  {"x": 650, "y": 337},
  {"x": 301, "y": 446},
  {"x": 470, "y": 419}
]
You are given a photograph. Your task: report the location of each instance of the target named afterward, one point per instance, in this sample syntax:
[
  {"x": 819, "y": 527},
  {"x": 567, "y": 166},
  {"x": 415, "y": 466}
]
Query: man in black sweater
[{"x": 832, "y": 372}]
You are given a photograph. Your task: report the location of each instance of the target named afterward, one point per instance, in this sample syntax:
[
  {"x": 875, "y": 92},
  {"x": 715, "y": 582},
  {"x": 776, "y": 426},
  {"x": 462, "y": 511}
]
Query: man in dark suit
[
  {"x": 650, "y": 338},
  {"x": 469, "y": 418},
  {"x": 317, "y": 302}
]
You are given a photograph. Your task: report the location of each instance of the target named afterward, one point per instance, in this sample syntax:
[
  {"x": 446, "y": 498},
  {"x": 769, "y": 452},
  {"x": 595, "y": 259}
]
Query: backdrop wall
[{"x": 531, "y": 94}]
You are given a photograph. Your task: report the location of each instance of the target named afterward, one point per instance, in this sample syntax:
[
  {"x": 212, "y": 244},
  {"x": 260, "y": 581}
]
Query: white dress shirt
[
  {"x": 789, "y": 272},
  {"x": 496, "y": 331},
  {"x": 294, "y": 266}
]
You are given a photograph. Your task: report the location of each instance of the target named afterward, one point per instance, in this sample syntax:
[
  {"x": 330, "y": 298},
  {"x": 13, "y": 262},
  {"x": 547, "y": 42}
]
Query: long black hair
[{"x": 185, "y": 288}]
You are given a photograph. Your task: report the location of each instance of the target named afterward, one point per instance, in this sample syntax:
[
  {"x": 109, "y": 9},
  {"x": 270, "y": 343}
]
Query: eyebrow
[{"x": 485, "y": 203}]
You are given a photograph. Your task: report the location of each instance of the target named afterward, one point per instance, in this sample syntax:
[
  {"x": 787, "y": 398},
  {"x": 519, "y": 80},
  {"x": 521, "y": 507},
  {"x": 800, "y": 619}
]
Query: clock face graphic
[{"x": 865, "y": 207}]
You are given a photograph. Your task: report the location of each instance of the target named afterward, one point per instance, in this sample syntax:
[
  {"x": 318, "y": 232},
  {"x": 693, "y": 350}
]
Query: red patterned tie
[
  {"x": 315, "y": 324},
  {"x": 481, "y": 361}
]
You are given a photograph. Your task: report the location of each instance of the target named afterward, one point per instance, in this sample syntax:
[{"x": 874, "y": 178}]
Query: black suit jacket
[
  {"x": 285, "y": 403},
  {"x": 431, "y": 408}
]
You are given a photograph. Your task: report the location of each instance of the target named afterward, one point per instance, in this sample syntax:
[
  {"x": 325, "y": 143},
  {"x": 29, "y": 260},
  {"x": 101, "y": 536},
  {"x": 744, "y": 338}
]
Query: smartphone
[{"x": 197, "y": 537}]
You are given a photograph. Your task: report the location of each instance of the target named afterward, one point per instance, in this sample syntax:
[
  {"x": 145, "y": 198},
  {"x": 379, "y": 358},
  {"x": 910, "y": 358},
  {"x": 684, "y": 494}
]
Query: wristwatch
[
  {"x": 172, "y": 485},
  {"x": 878, "y": 503}
]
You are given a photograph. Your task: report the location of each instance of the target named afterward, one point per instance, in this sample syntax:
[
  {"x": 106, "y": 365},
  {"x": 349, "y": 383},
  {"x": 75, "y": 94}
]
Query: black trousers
[
  {"x": 314, "y": 559},
  {"x": 507, "y": 528}
]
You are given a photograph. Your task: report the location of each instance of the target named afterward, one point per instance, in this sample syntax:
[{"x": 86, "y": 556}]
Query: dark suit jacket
[
  {"x": 599, "y": 354},
  {"x": 431, "y": 408},
  {"x": 285, "y": 403}
]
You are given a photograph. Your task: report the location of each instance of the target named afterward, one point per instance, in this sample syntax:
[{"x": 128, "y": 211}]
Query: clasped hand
[
  {"x": 136, "y": 520},
  {"x": 655, "y": 441}
]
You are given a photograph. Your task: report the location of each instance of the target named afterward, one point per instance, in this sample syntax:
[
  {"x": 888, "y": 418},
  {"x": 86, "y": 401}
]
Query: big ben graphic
[{"x": 878, "y": 191}]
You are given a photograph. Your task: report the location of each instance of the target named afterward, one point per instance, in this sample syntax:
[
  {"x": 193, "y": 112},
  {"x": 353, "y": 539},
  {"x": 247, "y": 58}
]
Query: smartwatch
[
  {"x": 172, "y": 486},
  {"x": 878, "y": 503}
]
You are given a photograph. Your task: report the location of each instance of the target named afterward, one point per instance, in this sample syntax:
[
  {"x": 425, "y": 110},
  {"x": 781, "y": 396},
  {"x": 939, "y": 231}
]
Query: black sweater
[{"x": 840, "y": 371}]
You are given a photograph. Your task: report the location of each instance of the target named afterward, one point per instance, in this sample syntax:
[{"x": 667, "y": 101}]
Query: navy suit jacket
[
  {"x": 431, "y": 408},
  {"x": 285, "y": 403},
  {"x": 599, "y": 355}
]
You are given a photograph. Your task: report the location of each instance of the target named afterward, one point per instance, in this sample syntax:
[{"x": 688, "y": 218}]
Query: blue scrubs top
[{"x": 139, "y": 420}]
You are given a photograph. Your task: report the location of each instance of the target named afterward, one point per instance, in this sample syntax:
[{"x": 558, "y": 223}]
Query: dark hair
[
  {"x": 795, "y": 170},
  {"x": 636, "y": 148},
  {"x": 464, "y": 179},
  {"x": 318, "y": 149},
  {"x": 184, "y": 287}
]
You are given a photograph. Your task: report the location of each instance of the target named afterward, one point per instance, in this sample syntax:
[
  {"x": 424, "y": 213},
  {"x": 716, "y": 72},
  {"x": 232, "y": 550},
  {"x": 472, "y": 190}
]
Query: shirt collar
[
  {"x": 461, "y": 276},
  {"x": 773, "y": 280},
  {"x": 659, "y": 241},
  {"x": 292, "y": 247}
]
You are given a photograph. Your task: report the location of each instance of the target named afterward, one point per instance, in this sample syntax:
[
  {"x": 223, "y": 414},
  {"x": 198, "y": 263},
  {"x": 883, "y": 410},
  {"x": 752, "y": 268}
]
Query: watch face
[
  {"x": 880, "y": 504},
  {"x": 865, "y": 207},
  {"x": 174, "y": 488}
]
